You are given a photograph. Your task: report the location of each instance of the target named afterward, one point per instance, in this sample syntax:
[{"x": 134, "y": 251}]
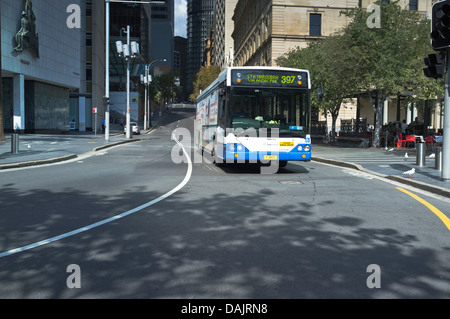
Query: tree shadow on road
[{"x": 215, "y": 245}]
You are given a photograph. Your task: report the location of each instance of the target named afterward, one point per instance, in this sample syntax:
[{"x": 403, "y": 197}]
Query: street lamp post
[
  {"x": 128, "y": 87},
  {"x": 128, "y": 51},
  {"x": 107, "y": 19}
]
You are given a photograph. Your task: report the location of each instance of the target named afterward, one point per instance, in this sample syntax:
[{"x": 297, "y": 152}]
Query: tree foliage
[
  {"x": 369, "y": 61},
  {"x": 204, "y": 77},
  {"x": 168, "y": 88}
]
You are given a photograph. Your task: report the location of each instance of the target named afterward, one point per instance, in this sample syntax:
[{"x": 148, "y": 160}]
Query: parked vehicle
[{"x": 134, "y": 128}]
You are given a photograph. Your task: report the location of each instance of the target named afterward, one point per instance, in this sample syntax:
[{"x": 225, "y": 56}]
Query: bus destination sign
[{"x": 271, "y": 78}]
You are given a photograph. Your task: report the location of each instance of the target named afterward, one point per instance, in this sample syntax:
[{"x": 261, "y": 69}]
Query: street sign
[{"x": 94, "y": 110}]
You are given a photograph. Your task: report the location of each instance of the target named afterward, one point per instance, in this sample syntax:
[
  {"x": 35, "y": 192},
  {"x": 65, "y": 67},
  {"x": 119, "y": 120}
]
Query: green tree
[
  {"x": 330, "y": 66},
  {"x": 204, "y": 77},
  {"x": 370, "y": 61},
  {"x": 390, "y": 58},
  {"x": 167, "y": 85}
]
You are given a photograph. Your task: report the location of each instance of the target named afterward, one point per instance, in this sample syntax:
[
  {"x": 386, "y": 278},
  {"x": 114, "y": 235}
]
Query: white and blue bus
[{"x": 255, "y": 114}]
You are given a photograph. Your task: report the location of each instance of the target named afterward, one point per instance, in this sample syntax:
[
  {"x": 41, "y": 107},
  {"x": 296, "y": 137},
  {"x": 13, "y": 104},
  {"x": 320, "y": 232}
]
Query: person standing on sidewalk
[{"x": 404, "y": 127}]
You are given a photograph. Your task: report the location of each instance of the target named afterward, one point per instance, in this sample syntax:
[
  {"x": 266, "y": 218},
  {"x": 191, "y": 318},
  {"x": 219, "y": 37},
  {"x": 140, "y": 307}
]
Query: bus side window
[{"x": 222, "y": 109}]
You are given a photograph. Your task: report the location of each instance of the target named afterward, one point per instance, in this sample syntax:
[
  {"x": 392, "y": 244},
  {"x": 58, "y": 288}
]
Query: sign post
[{"x": 94, "y": 111}]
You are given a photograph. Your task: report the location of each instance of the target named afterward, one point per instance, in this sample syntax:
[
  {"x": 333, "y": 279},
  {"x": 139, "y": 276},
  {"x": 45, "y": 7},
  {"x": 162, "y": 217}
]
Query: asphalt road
[{"x": 139, "y": 225}]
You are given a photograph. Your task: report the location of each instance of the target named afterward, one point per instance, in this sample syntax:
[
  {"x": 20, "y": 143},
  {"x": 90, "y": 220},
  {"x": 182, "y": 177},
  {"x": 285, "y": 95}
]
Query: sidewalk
[
  {"x": 38, "y": 149},
  {"x": 390, "y": 164}
]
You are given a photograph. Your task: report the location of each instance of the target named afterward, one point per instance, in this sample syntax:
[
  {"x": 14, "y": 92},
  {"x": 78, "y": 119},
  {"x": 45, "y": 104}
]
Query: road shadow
[{"x": 214, "y": 245}]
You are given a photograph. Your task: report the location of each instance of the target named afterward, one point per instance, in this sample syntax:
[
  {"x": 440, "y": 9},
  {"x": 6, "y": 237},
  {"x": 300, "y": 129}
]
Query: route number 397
[{"x": 287, "y": 79}]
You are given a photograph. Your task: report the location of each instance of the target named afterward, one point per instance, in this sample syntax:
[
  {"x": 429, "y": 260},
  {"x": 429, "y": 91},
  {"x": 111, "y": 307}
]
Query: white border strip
[{"x": 108, "y": 220}]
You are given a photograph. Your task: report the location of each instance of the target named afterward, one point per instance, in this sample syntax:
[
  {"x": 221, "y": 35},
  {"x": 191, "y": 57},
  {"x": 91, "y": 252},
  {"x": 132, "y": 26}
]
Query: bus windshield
[{"x": 267, "y": 108}]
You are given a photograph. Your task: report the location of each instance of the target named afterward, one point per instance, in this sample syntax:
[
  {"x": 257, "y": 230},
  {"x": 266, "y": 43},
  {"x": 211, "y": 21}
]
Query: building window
[
  {"x": 414, "y": 5},
  {"x": 88, "y": 74},
  {"x": 315, "y": 24}
]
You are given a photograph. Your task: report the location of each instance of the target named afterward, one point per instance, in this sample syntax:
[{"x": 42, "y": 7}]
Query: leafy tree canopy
[{"x": 204, "y": 77}]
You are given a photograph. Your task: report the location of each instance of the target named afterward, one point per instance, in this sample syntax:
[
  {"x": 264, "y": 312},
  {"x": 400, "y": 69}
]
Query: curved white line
[{"x": 108, "y": 220}]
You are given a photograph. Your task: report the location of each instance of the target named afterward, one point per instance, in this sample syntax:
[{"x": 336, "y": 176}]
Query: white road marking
[{"x": 108, "y": 220}]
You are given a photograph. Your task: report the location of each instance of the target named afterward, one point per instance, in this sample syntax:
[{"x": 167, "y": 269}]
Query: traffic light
[
  {"x": 436, "y": 65},
  {"x": 440, "y": 25}
]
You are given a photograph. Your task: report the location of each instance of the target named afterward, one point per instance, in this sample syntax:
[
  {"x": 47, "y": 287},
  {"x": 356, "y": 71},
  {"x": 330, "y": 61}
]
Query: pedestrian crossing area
[
  {"x": 386, "y": 162},
  {"x": 383, "y": 159}
]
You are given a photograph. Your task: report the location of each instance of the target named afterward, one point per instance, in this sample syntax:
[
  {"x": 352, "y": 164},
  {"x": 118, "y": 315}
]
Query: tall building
[
  {"x": 200, "y": 16},
  {"x": 180, "y": 63},
  {"x": 92, "y": 68},
  {"x": 162, "y": 21},
  {"x": 266, "y": 29},
  {"x": 223, "y": 29},
  {"x": 39, "y": 67}
]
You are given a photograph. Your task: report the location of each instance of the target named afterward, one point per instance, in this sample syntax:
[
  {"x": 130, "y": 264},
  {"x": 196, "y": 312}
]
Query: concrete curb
[
  {"x": 102, "y": 147},
  {"x": 61, "y": 158},
  {"x": 421, "y": 185},
  {"x": 38, "y": 162}
]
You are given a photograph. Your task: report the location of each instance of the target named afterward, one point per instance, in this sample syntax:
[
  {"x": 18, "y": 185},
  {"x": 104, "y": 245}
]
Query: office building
[
  {"x": 39, "y": 67},
  {"x": 223, "y": 29},
  {"x": 162, "y": 26},
  {"x": 92, "y": 69},
  {"x": 180, "y": 64},
  {"x": 200, "y": 21}
]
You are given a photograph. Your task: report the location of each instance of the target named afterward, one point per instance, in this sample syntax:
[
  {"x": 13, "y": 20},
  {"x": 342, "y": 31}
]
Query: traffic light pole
[{"x": 446, "y": 138}]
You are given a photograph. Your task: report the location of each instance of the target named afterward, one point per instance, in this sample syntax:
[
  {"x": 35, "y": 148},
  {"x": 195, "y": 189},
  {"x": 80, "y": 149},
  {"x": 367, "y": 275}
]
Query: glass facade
[{"x": 199, "y": 24}]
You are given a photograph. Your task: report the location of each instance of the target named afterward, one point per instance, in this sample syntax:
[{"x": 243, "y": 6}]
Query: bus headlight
[
  {"x": 307, "y": 148},
  {"x": 240, "y": 147},
  {"x": 300, "y": 148},
  {"x": 232, "y": 147}
]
